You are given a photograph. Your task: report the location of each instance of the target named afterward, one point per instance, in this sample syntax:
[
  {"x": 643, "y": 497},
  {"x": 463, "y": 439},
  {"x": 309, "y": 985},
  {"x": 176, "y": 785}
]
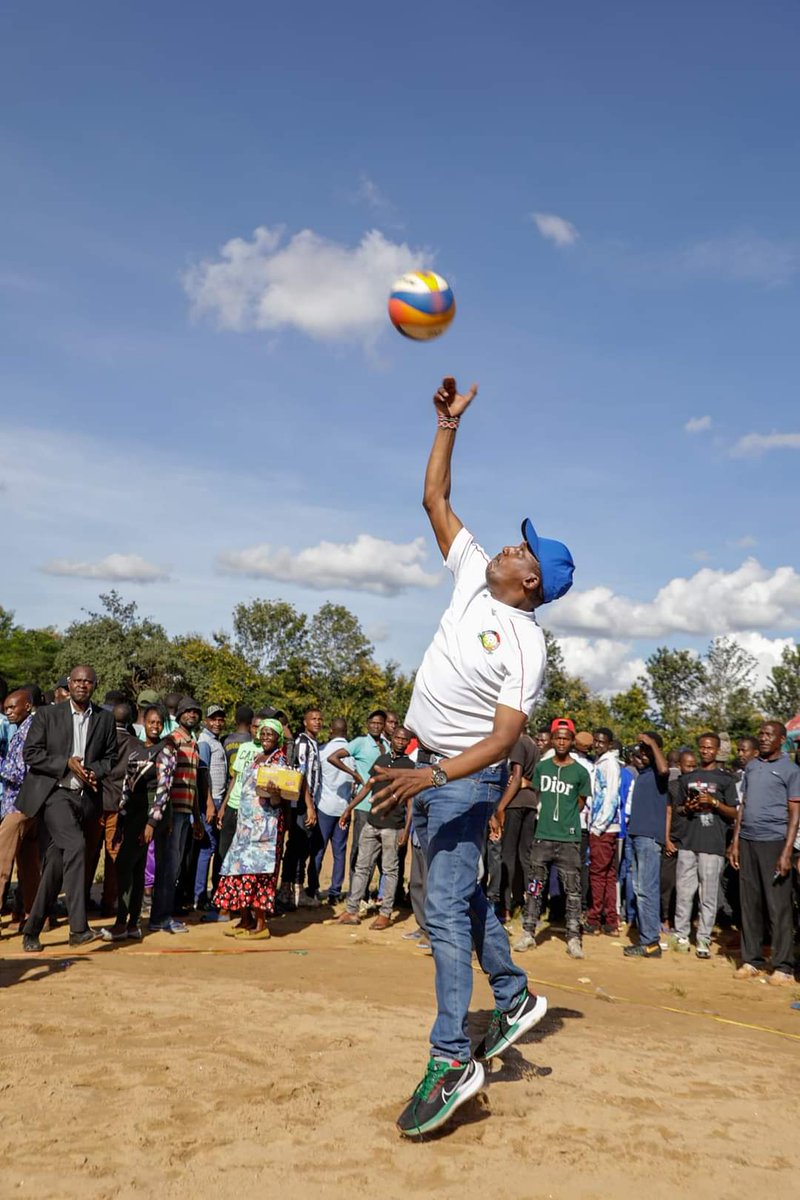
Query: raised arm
[{"x": 449, "y": 405}]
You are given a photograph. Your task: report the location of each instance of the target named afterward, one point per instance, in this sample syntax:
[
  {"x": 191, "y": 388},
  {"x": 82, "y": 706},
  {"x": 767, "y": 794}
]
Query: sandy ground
[{"x": 191, "y": 1067}]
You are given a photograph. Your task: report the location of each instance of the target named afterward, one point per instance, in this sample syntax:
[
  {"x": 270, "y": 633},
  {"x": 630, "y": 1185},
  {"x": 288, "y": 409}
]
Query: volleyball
[{"x": 421, "y": 305}]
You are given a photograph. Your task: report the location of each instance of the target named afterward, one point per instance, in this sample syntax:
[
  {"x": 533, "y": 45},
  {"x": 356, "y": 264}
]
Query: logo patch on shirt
[{"x": 490, "y": 640}]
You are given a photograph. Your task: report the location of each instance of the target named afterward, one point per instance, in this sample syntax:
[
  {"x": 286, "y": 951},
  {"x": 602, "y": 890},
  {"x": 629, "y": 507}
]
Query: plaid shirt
[{"x": 183, "y": 792}]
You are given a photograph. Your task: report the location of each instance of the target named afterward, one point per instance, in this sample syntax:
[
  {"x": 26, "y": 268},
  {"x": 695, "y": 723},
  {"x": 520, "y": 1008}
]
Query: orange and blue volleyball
[{"x": 421, "y": 305}]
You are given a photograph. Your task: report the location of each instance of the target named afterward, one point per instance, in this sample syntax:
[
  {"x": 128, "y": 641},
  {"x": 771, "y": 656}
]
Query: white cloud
[
  {"x": 767, "y": 651},
  {"x": 747, "y": 542},
  {"x": 698, "y": 425},
  {"x": 606, "y": 664},
  {"x": 378, "y": 632},
  {"x": 114, "y": 568},
  {"x": 555, "y": 229},
  {"x": 319, "y": 287},
  {"x": 710, "y": 602},
  {"x": 701, "y": 555},
  {"x": 743, "y": 258},
  {"x": 755, "y": 444},
  {"x": 368, "y": 564}
]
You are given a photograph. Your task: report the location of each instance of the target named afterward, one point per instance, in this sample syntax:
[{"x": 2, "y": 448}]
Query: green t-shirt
[
  {"x": 245, "y": 755},
  {"x": 559, "y": 790}
]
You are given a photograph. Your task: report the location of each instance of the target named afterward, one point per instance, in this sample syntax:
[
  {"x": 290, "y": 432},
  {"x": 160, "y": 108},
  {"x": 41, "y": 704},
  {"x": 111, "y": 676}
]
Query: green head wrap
[{"x": 271, "y": 723}]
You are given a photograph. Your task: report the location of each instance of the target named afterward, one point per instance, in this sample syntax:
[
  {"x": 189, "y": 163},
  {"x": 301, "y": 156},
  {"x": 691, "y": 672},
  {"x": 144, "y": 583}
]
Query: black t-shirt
[
  {"x": 526, "y": 754},
  {"x": 678, "y": 827},
  {"x": 396, "y": 817},
  {"x": 706, "y": 831}
]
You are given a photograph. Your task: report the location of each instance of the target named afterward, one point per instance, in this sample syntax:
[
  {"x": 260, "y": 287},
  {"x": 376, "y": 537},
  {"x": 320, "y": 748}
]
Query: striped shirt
[{"x": 183, "y": 792}]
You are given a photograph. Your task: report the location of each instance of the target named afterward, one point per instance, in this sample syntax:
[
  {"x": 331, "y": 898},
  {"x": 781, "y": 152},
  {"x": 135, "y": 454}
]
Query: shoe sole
[
  {"x": 527, "y": 1022},
  {"x": 459, "y": 1097}
]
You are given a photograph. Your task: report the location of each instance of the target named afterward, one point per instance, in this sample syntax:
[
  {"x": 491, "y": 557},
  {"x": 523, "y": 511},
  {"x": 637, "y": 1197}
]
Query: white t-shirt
[
  {"x": 337, "y": 787},
  {"x": 484, "y": 653}
]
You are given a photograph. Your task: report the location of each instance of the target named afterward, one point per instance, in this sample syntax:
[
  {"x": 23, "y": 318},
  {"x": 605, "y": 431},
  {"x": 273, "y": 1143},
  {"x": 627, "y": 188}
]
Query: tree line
[{"x": 277, "y": 655}]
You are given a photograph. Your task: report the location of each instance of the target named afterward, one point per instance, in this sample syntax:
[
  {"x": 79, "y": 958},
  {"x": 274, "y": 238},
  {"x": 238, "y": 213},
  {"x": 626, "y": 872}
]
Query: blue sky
[{"x": 612, "y": 192}]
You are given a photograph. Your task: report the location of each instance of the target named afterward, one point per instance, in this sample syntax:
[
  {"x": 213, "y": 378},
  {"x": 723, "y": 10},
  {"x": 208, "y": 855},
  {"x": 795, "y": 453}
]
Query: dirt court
[{"x": 196, "y": 1067}]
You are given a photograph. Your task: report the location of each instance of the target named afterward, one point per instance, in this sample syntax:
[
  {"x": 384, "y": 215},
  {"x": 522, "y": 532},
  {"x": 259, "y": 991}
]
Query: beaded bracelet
[{"x": 449, "y": 422}]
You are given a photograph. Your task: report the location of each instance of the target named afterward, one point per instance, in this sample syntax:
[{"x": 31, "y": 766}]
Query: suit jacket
[{"x": 49, "y": 746}]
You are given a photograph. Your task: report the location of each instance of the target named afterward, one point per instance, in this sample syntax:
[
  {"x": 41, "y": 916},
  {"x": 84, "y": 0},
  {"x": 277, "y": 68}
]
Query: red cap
[{"x": 562, "y": 723}]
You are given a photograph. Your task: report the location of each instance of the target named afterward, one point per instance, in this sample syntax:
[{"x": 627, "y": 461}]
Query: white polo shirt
[{"x": 484, "y": 653}]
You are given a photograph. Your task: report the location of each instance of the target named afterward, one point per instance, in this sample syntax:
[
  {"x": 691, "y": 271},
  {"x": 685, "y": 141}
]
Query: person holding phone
[{"x": 766, "y": 827}]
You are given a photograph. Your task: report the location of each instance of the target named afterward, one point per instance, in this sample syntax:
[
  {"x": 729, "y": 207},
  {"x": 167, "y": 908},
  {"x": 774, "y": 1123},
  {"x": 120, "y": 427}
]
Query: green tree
[
  {"x": 27, "y": 655},
  {"x": 127, "y": 651},
  {"x": 269, "y": 634},
  {"x": 729, "y": 701},
  {"x": 675, "y": 680},
  {"x": 343, "y": 674},
  {"x": 566, "y": 695},
  {"x": 629, "y": 714},
  {"x": 396, "y": 689},
  {"x": 781, "y": 697},
  {"x": 216, "y": 671}
]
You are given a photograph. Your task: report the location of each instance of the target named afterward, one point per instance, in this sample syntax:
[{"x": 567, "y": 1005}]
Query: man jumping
[{"x": 472, "y": 696}]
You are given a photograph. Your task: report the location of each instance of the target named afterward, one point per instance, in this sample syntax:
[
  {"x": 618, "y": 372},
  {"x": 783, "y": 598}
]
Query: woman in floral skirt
[{"x": 249, "y": 877}]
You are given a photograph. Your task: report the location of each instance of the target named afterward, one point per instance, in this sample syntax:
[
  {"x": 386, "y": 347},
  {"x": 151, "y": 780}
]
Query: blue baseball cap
[{"x": 555, "y": 562}]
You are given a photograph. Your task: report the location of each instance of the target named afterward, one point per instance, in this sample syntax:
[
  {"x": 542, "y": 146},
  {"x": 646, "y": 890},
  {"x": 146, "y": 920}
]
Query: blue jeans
[
  {"x": 450, "y": 823},
  {"x": 208, "y": 850},
  {"x": 170, "y": 848},
  {"x": 329, "y": 831},
  {"x": 647, "y": 881},
  {"x": 626, "y": 881}
]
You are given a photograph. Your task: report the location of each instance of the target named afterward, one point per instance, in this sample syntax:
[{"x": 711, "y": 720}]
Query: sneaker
[
  {"x": 423, "y": 945},
  {"x": 640, "y": 951},
  {"x": 505, "y": 1028},
  {"x": 110, "y": 935},
  {"x": 590, "y": 928},
  {"x": 83, "y": 938},
  {"x": 681, "y": 944},
  {"x": 703, "y": 948},
  {"x": 31, "y": 943},
  {"x": 134, "y": 934},
  {"x": 748, "y": 971},
  {"x": 781, "y": 979},
  {"x": 574, "y": 947},
  {"x": 610, "y": 930},
  {"x": 444, "y": 1088},
  {"x": 413, "y": 935},
  {"x": 307, "y": 901},
  {"x": 526, "y": 941},
  {"x": 171, "y": 926}
]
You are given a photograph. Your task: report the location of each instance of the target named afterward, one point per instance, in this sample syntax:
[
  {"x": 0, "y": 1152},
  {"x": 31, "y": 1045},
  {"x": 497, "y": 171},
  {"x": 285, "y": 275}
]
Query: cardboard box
[{"x": 287, "y": 780}]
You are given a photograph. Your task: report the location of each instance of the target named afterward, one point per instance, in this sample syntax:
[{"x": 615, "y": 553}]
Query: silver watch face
[{"x": 439, "y": 777}]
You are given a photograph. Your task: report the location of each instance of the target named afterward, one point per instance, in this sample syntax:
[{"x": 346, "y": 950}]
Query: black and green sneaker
[
  {"x": 506, "y": 1027},
  {"x": 445, "y": 1086}
]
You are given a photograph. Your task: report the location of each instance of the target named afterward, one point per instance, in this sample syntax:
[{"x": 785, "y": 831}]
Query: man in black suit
[{"x": 69, "y": 749}]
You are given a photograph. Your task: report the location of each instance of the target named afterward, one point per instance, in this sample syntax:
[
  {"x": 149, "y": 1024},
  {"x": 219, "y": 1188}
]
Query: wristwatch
[{"x": 438, "y": 776}]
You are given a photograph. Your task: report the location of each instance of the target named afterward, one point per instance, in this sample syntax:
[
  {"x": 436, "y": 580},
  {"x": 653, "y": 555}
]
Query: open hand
[
  {"x": 449, "y": 402},
  {"x": 403, "y": 784}
]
